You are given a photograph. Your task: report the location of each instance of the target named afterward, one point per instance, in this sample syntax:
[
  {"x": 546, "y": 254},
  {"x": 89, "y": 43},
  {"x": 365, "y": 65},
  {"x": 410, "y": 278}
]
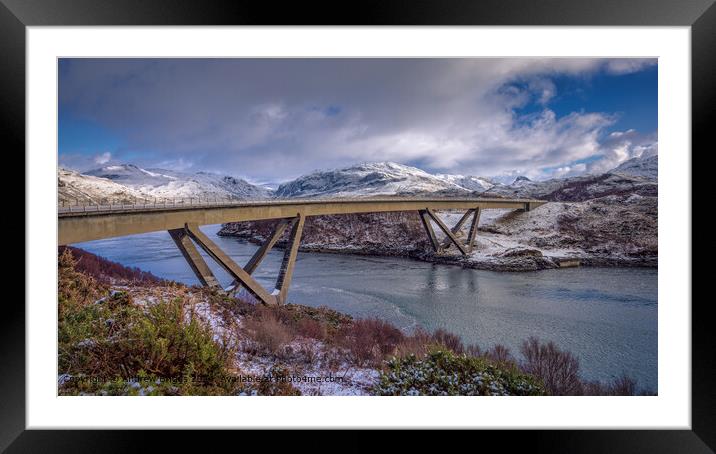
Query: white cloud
[
  {"x": 277, "y": 119},
  {"x": 178, "y": 165},
  {"x": 544, "y": 89},
  {"x": 103, "y": 158},
  {"x": 621, "y": 146},
  {"x": 628, "y": 65},
  {"x": 568, "y": 171}
]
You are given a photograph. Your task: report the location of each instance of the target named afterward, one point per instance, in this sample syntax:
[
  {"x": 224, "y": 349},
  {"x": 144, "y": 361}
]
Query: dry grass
[
  {"x": 313, "y": 329},
  {"x": 448, "y": 340},
  {"x": 417, "y": 344},
  {"x": 268, "y": 333}
]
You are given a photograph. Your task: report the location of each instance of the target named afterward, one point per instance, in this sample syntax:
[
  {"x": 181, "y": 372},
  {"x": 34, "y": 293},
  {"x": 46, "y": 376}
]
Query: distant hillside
[
  {"x": 647, "y": 167},
  {"x": 379, "y": 178},
  {"x": 127, "y": 182},
  {"x": 609, "y": 219},
  {"x": 636, "y": 176}
]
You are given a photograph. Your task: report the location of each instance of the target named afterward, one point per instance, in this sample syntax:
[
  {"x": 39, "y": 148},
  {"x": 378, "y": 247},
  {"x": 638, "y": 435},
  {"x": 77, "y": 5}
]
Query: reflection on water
[{"x": 606, "y": 316}]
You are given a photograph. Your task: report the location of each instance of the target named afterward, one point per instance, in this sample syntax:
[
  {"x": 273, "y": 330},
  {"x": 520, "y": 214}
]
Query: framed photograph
[{"x": 431, "y": 216}]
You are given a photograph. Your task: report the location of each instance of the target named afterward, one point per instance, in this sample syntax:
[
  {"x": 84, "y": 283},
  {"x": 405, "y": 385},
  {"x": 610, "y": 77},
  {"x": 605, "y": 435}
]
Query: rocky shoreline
[{"x": 613, "y": 231}]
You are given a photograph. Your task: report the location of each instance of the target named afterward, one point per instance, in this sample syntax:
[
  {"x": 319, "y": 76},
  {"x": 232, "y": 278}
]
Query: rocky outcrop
[
  {"x": 617, "y": 230},
  {"x": 395, "y": 234}
]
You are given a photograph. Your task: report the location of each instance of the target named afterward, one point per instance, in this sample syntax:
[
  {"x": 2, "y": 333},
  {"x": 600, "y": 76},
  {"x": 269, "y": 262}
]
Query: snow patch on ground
[
  {"x": 338, "y": 378},
  {"x": 304, "y": 358}
]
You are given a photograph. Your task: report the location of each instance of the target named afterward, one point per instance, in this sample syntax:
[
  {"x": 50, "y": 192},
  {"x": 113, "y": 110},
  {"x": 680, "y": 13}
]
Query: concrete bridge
[{"x": 182, "y": 220}]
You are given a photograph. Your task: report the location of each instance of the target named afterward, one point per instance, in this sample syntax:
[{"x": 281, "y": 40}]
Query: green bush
[
  {"x": 107, "y": 345},
  {"x": 444, "y": 373},
  {"x": 113, "y": 342}
]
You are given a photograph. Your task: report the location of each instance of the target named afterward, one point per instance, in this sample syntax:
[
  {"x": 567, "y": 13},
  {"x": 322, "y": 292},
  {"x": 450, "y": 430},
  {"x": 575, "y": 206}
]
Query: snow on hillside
[
  {"x": 131, "y": 175},
  {"x": 380, "y": 178},
  {"x": 76, "y": 188},
  {"x": 580, "y": 188},
  {"x": 645, "y": 167},
  {"x": 636, "y": 176},
  {"x": 161, "y": 184},
  {"x": 470, "y": 183},
  {"x": 608, "y": 231},
  {"x": 387, "y": 178}
]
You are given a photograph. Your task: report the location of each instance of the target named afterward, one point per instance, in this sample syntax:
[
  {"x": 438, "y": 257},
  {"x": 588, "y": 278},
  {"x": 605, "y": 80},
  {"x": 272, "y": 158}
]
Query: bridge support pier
[
  {"x": 425, "y": 218},
  {"x": 451, "y": 235},
  {"x": 473, "y": 229},
  {"x": 242, "y": 276},
  {"x": 289, "y": 260},
  {"x": 195, "y": 260},
  {"x": 262, "y": 251}
]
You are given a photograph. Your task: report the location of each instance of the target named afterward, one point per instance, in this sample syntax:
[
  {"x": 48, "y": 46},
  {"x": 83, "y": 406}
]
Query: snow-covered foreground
[
  {"x": 313, "y": 367},
  {"x": 323, "y": 375}
]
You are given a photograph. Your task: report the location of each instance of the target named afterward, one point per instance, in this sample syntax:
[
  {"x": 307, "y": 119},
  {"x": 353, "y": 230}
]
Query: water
[{"x": 606, "y": 316}]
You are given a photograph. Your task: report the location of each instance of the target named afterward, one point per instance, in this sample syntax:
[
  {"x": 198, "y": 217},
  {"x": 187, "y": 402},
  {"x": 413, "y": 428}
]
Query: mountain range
[{"x": 130, "y": 182}]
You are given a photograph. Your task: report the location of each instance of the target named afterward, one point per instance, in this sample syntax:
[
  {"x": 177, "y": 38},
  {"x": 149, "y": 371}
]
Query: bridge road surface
[{"x": 81, "y": 223}]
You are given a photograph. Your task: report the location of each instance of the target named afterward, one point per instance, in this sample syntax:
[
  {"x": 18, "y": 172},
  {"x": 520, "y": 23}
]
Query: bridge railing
[
  {"x": 80, "y": 206},
  {"x": 87, "y": 206}
]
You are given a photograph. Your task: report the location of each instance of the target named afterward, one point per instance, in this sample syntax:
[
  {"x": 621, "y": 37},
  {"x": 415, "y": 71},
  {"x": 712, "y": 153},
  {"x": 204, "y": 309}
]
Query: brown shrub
[
  {"x": 304, "y": 320},
  {"x": 448, "y": 340},
  {"x": 269, "y": 333},
  {"x": 623, "y": 386},
  {"x": 418, "y": 344},
  {"x": 474, "y": 350},
  {"x": 558, "y": 370},
  {"x": 593, "y": 388},
  {"x": 371, "y": 340},
  {"x": 75, "y": 288},
  {"x": 106, "y": 270},
  {"x": 501, "y": 355},
  {"x": 314, "y": 329}
]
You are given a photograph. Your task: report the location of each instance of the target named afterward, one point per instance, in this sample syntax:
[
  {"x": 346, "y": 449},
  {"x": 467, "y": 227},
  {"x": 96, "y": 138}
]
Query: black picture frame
[{"x": 16, "y": 15}]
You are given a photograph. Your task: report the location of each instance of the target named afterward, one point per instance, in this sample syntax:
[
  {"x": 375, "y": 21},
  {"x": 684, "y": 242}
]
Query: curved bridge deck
[
  {"x": 85, "y": 223},
  {"x": 93, "y": 222}
]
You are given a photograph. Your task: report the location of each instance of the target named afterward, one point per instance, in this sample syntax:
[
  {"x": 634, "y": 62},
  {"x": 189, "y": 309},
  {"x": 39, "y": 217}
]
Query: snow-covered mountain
[
  {"x": 388, "y": 178},
  {"x": 645, "y": 167},
  {"x": 161, "y": 183},
  {"x": 369, "y": 179},
  {"x": 131, "y": 175},
  {"x": 636, "y": 176},
  {"x": 129, "y": 182},
  {"x": 74, "y": 187},
  {"x": 470, "y": 183}
]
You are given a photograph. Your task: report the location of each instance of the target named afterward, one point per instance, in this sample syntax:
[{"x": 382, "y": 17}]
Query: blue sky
[
  {"x": 271, "y": 120},
  {"x": 633, "y": 97}
]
